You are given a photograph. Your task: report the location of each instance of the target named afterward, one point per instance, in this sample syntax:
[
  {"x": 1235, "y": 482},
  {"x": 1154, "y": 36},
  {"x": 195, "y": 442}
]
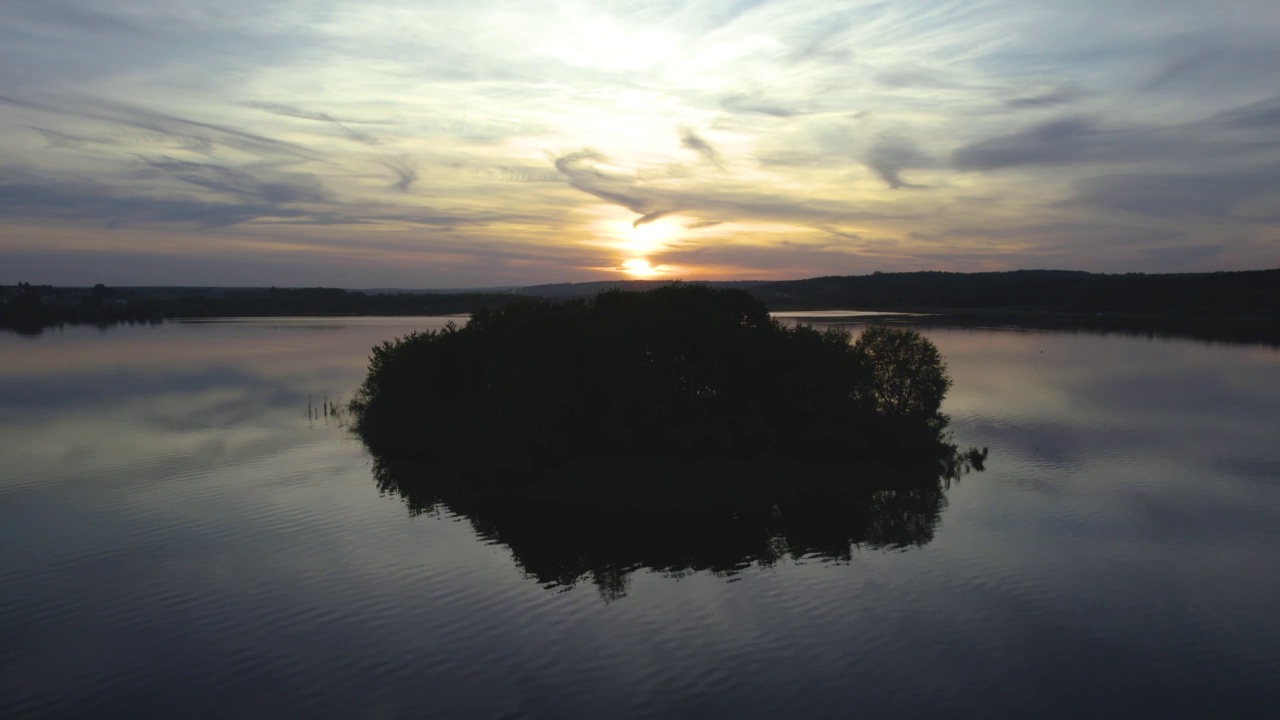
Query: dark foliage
[
  {"x": 909, "y": 375},
  {"x": 683, "y": 368},
  {"x": 29, "y": 308}
]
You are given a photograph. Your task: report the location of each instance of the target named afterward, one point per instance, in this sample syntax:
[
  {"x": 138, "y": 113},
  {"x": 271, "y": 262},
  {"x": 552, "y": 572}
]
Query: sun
[{"x": 640, "y": 268}]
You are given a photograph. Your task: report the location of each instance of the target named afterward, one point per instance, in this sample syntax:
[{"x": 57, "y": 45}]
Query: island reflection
[{"x": 720, "y": 517}]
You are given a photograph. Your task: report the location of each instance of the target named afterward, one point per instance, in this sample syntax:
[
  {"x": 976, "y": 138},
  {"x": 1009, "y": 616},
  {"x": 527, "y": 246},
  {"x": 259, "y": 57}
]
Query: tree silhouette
[
  {"x": 682, "y": 369},
  {"x": 907, "y": 374}
]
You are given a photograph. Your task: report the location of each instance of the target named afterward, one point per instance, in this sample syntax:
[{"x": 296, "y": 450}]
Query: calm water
[{"x": 178, "y": 537}]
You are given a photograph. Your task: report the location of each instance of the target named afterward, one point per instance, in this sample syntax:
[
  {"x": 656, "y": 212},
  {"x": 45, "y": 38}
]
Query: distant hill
[
  {"x": 1220, "y": 294},
  {"x": 1248, "y": 294},
  {"x": 1248, "y": 301}
]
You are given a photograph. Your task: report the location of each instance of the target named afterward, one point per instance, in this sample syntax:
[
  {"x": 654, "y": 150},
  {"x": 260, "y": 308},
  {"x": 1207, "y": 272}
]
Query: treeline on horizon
[
  {"x": 1245, "y": 299},
  {"x": 30, "y": 308},
  {"x": 1242, "y": 294}
]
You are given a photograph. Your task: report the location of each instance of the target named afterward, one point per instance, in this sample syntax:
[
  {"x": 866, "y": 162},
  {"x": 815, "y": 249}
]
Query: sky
[{"x": 421, "y": 144}]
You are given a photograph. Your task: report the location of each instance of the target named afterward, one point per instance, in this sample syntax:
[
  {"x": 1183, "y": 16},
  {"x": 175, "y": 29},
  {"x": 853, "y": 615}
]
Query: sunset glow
[
  {"x": 640, "y": 268},
  {"x": 383, "y": 143}
]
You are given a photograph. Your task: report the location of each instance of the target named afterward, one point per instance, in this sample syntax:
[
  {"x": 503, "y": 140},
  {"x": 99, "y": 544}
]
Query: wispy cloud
[
  {"x": 584, "y": 171},
  {"x": 749, "y": 104},
  {"x": 281, "y": 189},
  {"x": 1061, "y": 95},
  {"x": 52, "y": 199},
  {"x": 1082, "y": 139},
  {"x": 761, "y": 137},
  {"x": 892, "y": 154},
  {"x": 194, "y": 133},
  {"x": 343, "y": 125},
  {"x": 55, "y": 139},
  {"x": 404, "y": 170},
  {"x": 692, "y": 141}
]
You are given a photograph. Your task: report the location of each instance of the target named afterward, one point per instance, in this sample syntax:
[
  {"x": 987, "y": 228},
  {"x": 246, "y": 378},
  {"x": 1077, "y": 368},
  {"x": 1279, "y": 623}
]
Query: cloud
[
  {"x": 343, "y": 125},
  {"x": 1186, "y": 65},
  {"x": 521, "y": 174},
  {"x": 65, "y": 14},
  {"x": 751, "y": 104},
  {"x": 1262, "y": 115},
  {"x": 55, "y": 139},
  {"x": 1061, "y": 95},
  {"x": 82, "y": 201},
  {"x": 692, "y": 141},
  {"x": 1211, "y": 195},
  {"x": 1081, "y": 139},
  {"x": 1069, "y": 140},
  {"x": 195, "y": 133},
  {"x": 404, "y": 171},
  {"x": 282, "y": 189},
  {"x": 794, "y": 120},
  {"x": 913, "y": 76},
  {"x": 1076, "y": 140},
  {"x": 287, "y": 199},
  {"x": 1203, "y": 59},
  {"x": 646, "y": 219},
  {"x": 583, "y": 172},
  {"x": 844, "y": 235},
  {"x": 890, "y": 155},
  {"x": 589, "y": 172}
]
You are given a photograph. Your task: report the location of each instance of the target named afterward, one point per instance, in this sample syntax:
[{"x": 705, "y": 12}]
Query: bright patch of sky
[{"x": 381, "y": 143}]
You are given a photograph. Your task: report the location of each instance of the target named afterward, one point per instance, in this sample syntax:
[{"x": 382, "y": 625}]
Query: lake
[{"x": 186, "y": 530}]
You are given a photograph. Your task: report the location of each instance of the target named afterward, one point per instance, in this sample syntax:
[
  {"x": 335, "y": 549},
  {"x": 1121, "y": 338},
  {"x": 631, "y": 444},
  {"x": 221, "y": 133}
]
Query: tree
[
  {"x": 907, "y": 375},
  {"x": 683, "y": 369}
]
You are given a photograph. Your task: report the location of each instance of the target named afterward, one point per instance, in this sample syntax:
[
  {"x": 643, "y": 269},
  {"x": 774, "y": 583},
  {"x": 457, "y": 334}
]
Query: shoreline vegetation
[
  {"x": 1239, "y": 307},
  {"x": 679, "y": 428}
]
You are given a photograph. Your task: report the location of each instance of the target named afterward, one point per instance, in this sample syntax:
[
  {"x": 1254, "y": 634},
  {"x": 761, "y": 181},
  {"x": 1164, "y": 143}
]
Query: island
[
  {"x": 678, "y": 428},
  {"x": 686, "y": 369}
]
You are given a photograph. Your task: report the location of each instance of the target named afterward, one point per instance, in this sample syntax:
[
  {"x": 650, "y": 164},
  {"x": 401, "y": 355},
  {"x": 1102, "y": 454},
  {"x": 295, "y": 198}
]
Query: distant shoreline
[{"x": 1231, "y": 306}]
